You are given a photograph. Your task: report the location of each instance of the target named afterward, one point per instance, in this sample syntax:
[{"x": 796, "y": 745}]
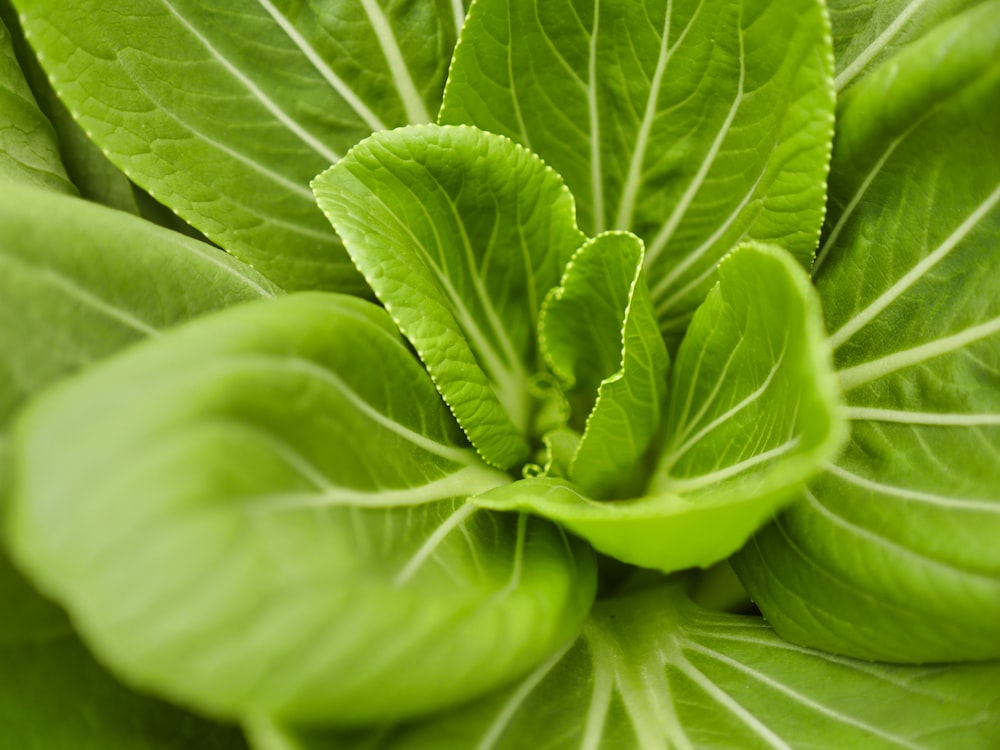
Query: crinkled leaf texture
[
  {"x": 753, "y": 413},
  {"x": 264, "y": 512},
  {"x": 893, "y": 554},
  {"x": 225, "y": 110},
  {"x": 695, "y": 125},
  {"x": 78, "y": 288},
  {"x": 599, "y": 336},
  {"x": 652, "y": 670},
  {"x": 461, "y": 234}
]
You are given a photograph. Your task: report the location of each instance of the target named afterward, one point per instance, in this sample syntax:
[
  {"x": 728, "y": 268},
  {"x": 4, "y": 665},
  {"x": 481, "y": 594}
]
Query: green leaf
[
  {"x": 753, "y": 414},
  {"x": 76, "y": 289},
  {"x": 694, "y": 125},
  {"x": 910, "y": 280},
  {"x": 243, "y": 493},
  {"x": 95, "y": 177},
  {"x": 461, "y": 234},
  {"x": 866, "y": 34},
  {"x": 652, "y": 670},
  {"x": 29, "y": 152},
  {"x": 224, "y": 111},
  {"x": 754, "y": 406},
  {"x": 53, "y": 696},
  {"x": 599, "y": 334}
]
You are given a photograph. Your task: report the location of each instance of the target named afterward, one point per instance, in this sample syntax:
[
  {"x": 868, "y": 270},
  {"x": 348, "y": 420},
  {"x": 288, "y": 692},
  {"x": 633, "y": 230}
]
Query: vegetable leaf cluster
[{"x": 595, "y": 375}]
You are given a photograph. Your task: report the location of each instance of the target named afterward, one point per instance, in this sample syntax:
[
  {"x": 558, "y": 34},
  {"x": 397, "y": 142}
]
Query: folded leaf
[
  {"x": 29, "y": 151},
  {"x": 910, "y": 280},
  {"x": 243, "y": 493},
  {"x": 224, "y": 111},
  {"x": 461, "y": 234},
  {"x": 753, "y": 414},
  {"x": 754, "y": 406},
  {"x": 77, "y": 289},
  {"x": 599, "y": 334},
  {"x": 694, "y": 125},
  {"x": 652, "y": 670}
]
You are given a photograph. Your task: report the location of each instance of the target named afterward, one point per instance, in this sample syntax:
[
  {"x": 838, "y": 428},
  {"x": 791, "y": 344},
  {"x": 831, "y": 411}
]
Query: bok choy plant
[{"x": 596, "y": 374}]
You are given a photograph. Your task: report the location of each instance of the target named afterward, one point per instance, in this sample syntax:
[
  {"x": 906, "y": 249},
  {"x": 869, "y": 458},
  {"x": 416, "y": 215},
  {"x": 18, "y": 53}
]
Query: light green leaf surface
[
  {"x": 224, "y": 111},
  {"x": 753, "y": 413},
  {"x": 866, "y": 34},
  {"x": 95, "y": 177},
  {"x": 754, "y": 407},
  {"x": 600, "y": 336},
  {"x": 242, "y": 518},
  {"x": 893, "y": 553},
  {"x": 693, "y": 124},
  {"x": 29, "y": 151},
  {"x": 75, "y": 289},
  {"x": 53, "y": 696},
  {"x": 653, "y": 671},
  {"x": 461, "y": 234}
]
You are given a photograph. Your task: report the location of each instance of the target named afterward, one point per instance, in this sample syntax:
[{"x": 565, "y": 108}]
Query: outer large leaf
[
  {"x": 225, "y": 110},
  {"x": 652, "y": 670},
  {"x": 693, "y": 124},
  {"x": 29, "y": 152},
  {"x": 53, "y": 696},
  {"x": 753, "y": 413},
  {"x": 599, "y": 335},
  {"x": 461, "y": 234},
  {"x": 78, "y": 281},
  {"x": 263, "y": 513},
  {"x": 911, "y": 285},
  {"x": 866, "y": 34}
]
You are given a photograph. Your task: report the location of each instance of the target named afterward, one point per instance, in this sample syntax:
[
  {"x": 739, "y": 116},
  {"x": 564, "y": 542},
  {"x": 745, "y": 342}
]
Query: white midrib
[
  {"x": 863, "y": 318},
  {"x": 866, "y": 372},
  {"x": 930, "y": 418},
  {"x": 336, "y": 82},
  {"x": 596, "y": 168},
  {"x": 675, "y": 454},
  {"x": 943, "y": 501},
  {"x": 93, "y": 301},
  {"x": 727, "y": 702},
  {"x": 670, "y": 226},
  {"x": 802, "y": 699},
  {"x": 289, "y": 122},
  {"x": 413, "y": 103},
  {"x": 849, "y": 73},
  {"x": 626, "y": 206},
  {"x": 687, "y": 484},
  {"x": 458, "y": 16}
]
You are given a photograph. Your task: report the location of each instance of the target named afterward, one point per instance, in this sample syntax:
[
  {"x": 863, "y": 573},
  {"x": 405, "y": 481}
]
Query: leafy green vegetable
[
  {"x": 753, "y": 413},
  {"x": 596, "y": 364},
  {"x": 611, "y": 359},
  {"x": 461, "y": 234},
  {"x": 652, "y": 670},
  {"x": 287, "y": 494},
  {"x": 916, "y": 496},
  {"x": 694, "y": 125}
]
